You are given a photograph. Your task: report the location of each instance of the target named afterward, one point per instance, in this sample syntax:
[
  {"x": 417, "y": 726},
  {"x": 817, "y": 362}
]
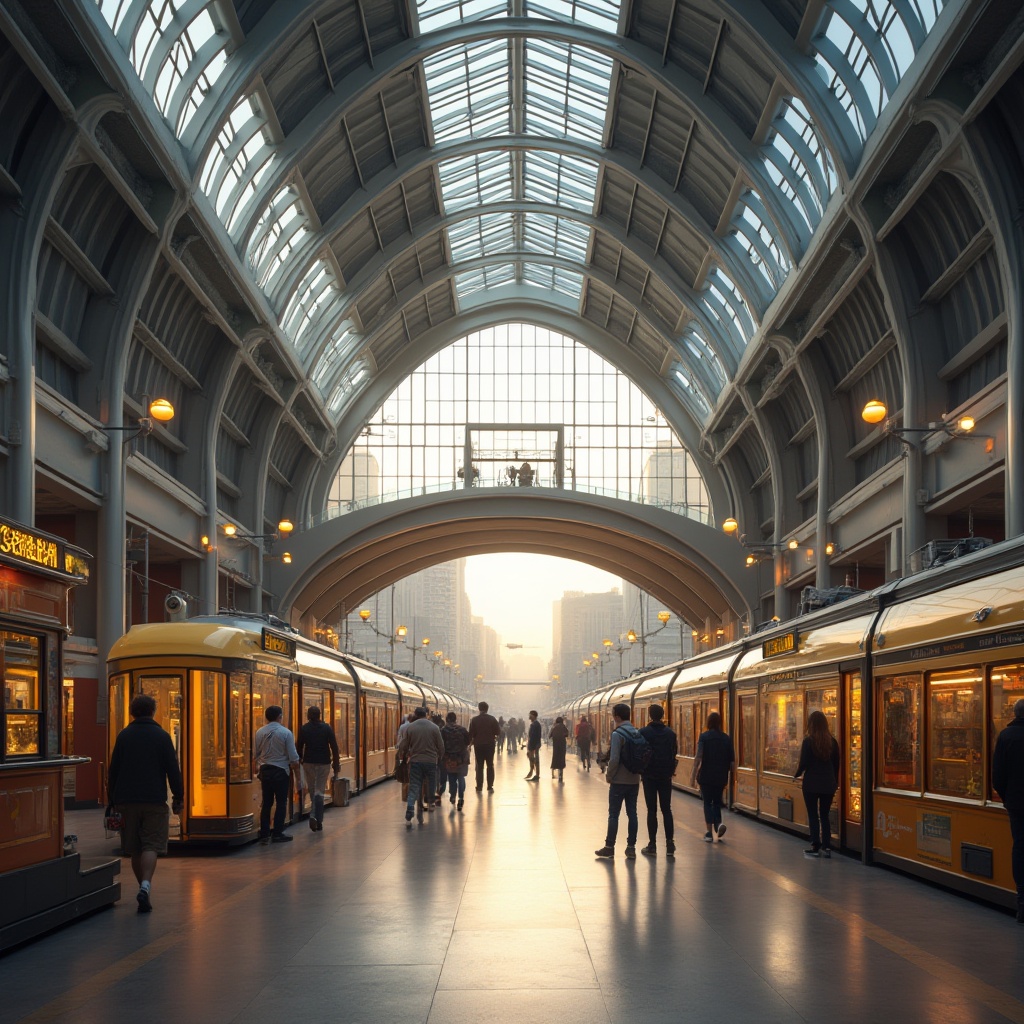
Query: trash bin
[{"x": 340, "y": 792}]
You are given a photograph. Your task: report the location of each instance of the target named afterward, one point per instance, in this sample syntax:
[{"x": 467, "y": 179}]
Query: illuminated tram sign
[
  {"x": 28, "y": 547},
  {"x": 277, "y": 644},
  {"x": 788, "y": 643}
]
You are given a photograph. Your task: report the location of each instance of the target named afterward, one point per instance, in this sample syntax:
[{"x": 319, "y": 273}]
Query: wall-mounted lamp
[
  {"x": 159, "y": 410},
  {"x": 875, "y": 413},
  {"x": 833, "y": 548}
]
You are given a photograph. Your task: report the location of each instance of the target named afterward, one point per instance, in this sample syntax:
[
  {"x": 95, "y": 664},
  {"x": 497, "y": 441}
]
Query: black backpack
[{"x": 635, "y": 752}]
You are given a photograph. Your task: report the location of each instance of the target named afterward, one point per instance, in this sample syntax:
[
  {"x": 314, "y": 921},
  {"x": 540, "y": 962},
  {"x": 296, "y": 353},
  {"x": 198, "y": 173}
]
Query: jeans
[
  {"x": 274, "y": 784},
  {"x": 617, "y": 793},
  {"x": 484, "y": 754},
  {"x": 712, "y": 805},
  {"x": 659, "y": 791},
  {"x": 418, "y": 771},
  {"x": 315, "y": 777},
  {"x": 818, "y": 805},
  {"x": 456, "y": 784},
  {"x": 1017, "y": 856}
]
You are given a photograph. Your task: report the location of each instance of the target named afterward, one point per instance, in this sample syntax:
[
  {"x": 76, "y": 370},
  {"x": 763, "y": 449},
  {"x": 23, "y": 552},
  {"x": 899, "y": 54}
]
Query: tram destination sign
[
  {"x": 26, "y": 546},
  {"x": 787, "y": 643},
  {"x": 277, "y": 644}
]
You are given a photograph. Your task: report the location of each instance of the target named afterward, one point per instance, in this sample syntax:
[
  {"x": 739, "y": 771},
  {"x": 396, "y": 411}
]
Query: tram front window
[
  {"x": 241, "y": 731},
  {"x": 19, "y": 658},
  {"x": 209, "y": 745}
]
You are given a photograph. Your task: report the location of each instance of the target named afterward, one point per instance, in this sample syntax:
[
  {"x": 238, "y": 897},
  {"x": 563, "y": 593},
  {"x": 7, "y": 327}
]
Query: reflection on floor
[{"x": 502, "y": 913}]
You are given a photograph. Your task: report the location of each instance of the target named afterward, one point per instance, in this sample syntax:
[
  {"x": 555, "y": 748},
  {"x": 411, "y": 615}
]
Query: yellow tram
[{"x": 214, "y": 676}]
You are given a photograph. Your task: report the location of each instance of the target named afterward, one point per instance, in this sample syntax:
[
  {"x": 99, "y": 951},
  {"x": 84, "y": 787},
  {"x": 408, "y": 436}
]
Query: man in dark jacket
[
  {"x": 143, "y": 764},
  {"x": 317, "y": 747},
  {"x": 533, "y": 741},
  {"x": 483, "y": 734},
  {"x": 657, "y": 780},
  {"x": 1008, "y": 782}
]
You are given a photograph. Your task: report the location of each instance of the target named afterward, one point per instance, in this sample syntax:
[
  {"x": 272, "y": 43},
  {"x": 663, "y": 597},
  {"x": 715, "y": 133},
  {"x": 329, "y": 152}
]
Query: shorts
[{"x": 146, "y": 827}]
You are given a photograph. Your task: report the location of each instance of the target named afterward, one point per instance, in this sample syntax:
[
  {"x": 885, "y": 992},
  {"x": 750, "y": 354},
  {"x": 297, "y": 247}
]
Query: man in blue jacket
[
  {"x": 143, "y": 764},
  {"x": 1008, "y": 782},
  {"x": 657, "y": 780},
  {"x": 623, "y": 786}
]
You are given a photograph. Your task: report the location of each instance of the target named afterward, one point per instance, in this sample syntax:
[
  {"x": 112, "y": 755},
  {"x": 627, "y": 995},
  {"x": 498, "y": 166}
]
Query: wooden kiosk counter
[{"x": 40, "y": 887}]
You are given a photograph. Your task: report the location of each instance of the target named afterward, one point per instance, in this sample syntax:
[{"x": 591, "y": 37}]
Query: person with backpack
[
  {"x": 456, "y": 758},
  {"x": 628, "y": 757},
  {"x": 657, "y": 780},
  {"x": 715, "y": 758},
  {"x": 584, "y": 737}
]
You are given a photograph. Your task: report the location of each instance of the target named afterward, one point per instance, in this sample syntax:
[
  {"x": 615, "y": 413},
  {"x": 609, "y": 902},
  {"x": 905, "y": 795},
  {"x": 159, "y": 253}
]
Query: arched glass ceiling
[
  {"x": 493, "y": 88},
  {"x": 520, "y": 394}
]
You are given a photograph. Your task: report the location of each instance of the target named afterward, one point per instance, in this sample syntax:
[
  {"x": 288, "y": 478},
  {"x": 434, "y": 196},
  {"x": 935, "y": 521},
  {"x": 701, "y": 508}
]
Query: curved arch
[{"x": 342, "y": 561}]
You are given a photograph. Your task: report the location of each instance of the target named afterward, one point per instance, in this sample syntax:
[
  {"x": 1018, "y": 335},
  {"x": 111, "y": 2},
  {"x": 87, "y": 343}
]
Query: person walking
[
  {"x": 1008, "y": 782},
  {"x": 143, "y": 765},
  {"x": 819, "y": 766},
  {"x": 423, "y": 746},
  {"x": 483, "y": 734},
  {"x": 715, "y": 758},
  {"x": 533, "y": 741},
  {"x": 456, "y": 758},
  {"x": 512, "y": 736},
  {"x": 502, "y": 733},
  {"x": 623, "y": 784},
  {"x": 276, "y": 758},
  {"x": 584, "y": 737},
  {"x": 657, "y": 780},
  {"x": 317, "y": 747},
  {"x": 559, "y": 737}
]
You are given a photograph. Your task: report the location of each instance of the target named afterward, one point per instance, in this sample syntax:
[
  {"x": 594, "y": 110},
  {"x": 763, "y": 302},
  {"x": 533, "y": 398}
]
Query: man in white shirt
[{"x": 276, "y": 758}]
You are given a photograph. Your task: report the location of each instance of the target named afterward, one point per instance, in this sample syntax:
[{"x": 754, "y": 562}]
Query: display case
[{"x": 782, "y": 715}]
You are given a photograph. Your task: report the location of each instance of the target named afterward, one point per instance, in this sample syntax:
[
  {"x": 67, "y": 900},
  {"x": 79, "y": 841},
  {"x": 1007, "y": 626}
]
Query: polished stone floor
[{"x": 502, "y": 913}]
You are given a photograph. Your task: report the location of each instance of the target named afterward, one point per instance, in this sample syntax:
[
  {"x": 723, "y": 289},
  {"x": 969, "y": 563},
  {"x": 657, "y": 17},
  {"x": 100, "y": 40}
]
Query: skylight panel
[
  {"x": 759, "y": 241},
  {"x": 435, "y": 14},
  {"x": 692, "y": 389},
  {"x": 555, "y": 236},
  {"x": 481, "y": 236},
  {"x": 335, "y": 351},
  {"x": 280, "y": 230},
  {"x": 561, "y": 180},
  {"x": 602, "y": 14},
  {"x": 725, "y": 303},
  {"x": 470, "y": 90},
  {"x": 697, "y": 344},
  {"x": 567, "y": 90},
  {"x": 482, "y": 278},
  {"x": 345, "y": 387},
  {"x": 476, "y": 180},
  {"x": 312, "y": 298},
  {"x": 554, "y": 278},
  {"x": 115, "y": 12}
]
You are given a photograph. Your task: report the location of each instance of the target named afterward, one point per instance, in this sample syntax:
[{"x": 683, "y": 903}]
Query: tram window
[
  {"x": 854, "y": 776},
  {"x": 209, "y": 754},
  {"x": 704, "y": 708},
  {"x": 783, "y": 718},
  {"x": 241, "y": 734},
  {"x": 900, "y": 701},
  {"x": 343, "y": 725},
  {"x": 166, "y": 691},
  {"x": 118, "y": 701},
  {"x": 827, "y": 702},
  {"x": 19, "y": 655},
  {"x": 954, "y": 719},
  {"x": 312, "y": 698},
  {"x": 1007, "y": 689},
  {"x": 748, "y": 731},
  {"x": 687, "y": 740}
]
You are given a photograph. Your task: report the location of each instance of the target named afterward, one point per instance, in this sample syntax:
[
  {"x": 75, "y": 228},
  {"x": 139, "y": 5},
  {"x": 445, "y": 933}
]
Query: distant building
[{"x": 580, "y": 623}]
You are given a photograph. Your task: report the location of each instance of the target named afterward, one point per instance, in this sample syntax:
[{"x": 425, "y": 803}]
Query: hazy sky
[{"x": 514, "y": 592}]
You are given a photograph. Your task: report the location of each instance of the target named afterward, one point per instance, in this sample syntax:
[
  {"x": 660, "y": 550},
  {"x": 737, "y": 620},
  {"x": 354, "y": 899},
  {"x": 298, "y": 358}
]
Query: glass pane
[
  {"x": 167, "y": 692},
  {"x": 855, "y": 748},
  {"x": 1007, "y": 689},
  {"x": 783, "y": 733},
  {"x": 748, "y": 731},
  {"x": 900, "y": 705},
  {"x": 827, "y": 702},
  {"x": 20, "y": 657},
  {"x": 955, "y": 716},
  {"x": 241, "y": 731},
  {"x": 209, "y": 762},
  {"x": 687, "y": 742},
  {"x": 118, "y": 701},
  {"x": 22, "y": 734}
]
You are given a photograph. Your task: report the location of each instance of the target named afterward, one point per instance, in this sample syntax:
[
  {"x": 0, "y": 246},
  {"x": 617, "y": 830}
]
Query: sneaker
[
  {"x": 408, "y": 815},
  {"x": 282, "y": 838},
  {"x": 827, "y": 853},
  {"x": 605, "y": 851},
  {"x": 721, "y": 831},
  {"x": 650, "y": 850},
  {"x": 312, "y": 824},
  {"x": 490, "y": 789},
  {"x": 458, "y": 806},
  {"x": 451, "y": 799},
  {"x": 264, "y": 840},
  {"x": 812, "y": 852},
  {"x": 630, "y": 853},
  {"x": 670, "y": 849},
  {"x": 143, "y": 900},
  {"x": 707, "y": 837}
]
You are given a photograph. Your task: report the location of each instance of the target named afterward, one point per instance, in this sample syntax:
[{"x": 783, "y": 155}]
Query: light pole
[
  {"x": 284, "y": 529},
  {"x": 365, "y": 614},
  {"x": 402, "y": 632},
  {"x": 632, "y": 636}
]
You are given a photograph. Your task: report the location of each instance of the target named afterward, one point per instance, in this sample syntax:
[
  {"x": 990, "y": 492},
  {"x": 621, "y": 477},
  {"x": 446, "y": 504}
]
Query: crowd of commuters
[{"x": 434, "y": 757}]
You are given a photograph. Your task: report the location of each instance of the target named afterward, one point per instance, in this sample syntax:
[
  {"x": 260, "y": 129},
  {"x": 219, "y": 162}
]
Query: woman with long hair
[
  {"x": 819, "y": 765},
  {"x": 715, "y": 759}
]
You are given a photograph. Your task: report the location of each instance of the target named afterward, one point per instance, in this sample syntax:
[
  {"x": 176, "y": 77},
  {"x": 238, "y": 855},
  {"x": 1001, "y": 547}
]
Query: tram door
[
  {"x": 166, "y": 690},
  {"x": 852, "y": 770}
]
